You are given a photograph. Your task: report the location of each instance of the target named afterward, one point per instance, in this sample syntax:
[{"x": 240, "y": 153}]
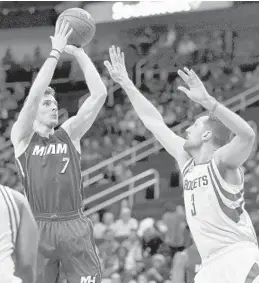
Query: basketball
[{"x": 82, "y": 23}]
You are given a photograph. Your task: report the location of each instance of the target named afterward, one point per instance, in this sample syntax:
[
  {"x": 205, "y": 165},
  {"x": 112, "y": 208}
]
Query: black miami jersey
[{"x": 50, "y": 170}]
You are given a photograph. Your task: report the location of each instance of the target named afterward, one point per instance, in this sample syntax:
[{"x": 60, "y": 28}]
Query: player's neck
[
  {"x": 203, "y": 155},
  {"x": 42, "y": 130}
]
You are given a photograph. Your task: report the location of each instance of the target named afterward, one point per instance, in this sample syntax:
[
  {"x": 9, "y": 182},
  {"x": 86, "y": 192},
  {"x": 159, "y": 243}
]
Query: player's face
[
  {"x": 194, "y": 134},
  {"x": 48, "y": 111}
]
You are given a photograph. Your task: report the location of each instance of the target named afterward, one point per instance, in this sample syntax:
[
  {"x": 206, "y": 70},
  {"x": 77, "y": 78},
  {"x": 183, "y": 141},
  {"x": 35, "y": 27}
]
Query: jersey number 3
[
  {"x": 66, "y": 161},
  {"x": 193, "y": 210}
]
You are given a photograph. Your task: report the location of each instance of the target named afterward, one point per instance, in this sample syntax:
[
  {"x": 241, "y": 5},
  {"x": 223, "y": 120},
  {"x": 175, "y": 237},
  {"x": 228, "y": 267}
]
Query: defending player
[
  {"x": 49, "y": 165},
  {"x": 212, "y": 179},
  {"x": 18, "y": 238}
]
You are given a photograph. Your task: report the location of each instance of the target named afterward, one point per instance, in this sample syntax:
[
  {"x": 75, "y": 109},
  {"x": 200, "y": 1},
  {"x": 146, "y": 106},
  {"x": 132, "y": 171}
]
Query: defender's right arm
[
  {"x": 23, "y": 127},
  {"x": 26, "y": 248},
  {"x": 150, "y": 116}
]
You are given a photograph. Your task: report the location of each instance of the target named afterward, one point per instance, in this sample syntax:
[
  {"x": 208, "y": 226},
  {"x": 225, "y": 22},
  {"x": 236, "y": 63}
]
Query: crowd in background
[
  {"x": 132, "y": 250},
  {"x": 117, "y": 126}
]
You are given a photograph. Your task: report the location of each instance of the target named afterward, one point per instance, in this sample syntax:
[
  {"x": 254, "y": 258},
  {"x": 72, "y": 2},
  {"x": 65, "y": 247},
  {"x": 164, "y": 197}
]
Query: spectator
[
  {"x": 120, "y": 145},
  {"x": 98, "y": 226},
  {"x": 108, "y": 221},
  {"x": 122, "y": 255},
  {"x": 124, "y": 204},
  {"x": 109, "y": 175},
  {"x": 122, "y": 172},
  {"x": 134, "y": 257},
  {"x": 94, "y": 155},
  {"x": 116, "y": 278},
  {"x": 142, "y": 278},
  {"x": 151, "y": 241},
  {"x": 125, "y": 224},
  {"x": 38, "y": 59},
  {"x": 186, "y": 46},
  {"x": 159, "y": 271},
  {"x": 107, "y": 148},
  {"x": 174, "y": 178},
  {"x": 174, "y": 238},
  {"x": 108, "y": 256}
]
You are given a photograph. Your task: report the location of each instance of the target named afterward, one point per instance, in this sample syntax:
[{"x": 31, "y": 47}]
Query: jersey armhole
[
  {"x": 20, "y": 149},
  {"x": 186, "y": 166},
  {"x": 222, "y": 180},
  {"x": 66, "y": 136}
]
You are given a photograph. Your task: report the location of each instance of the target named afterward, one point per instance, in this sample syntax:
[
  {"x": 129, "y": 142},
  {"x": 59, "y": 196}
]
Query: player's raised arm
[
  {"x": 23, "y": 127},
  {"x": 236, "y": 152},
  {"x": 78, "y": 125},
  {"x": 27, "y": 240},
  {"x": 150, "y": 116}
]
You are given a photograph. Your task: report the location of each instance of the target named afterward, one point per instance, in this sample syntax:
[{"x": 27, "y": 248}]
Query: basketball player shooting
[
  {"x": 213, "y": 181},
  {"x": 18, "y": 238},
  {"x": 49, "y": 166}
]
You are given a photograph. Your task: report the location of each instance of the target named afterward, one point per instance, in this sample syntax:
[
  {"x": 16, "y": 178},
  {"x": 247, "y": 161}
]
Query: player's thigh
[
  {"x": 78, "y": 252},
  {"x": 49, "y": 273},
  {"x": 47, "y": 263},
  {"x": 239, "y": 266}
]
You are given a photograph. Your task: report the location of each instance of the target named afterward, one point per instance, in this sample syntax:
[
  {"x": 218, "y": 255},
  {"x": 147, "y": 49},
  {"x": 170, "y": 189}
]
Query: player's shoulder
[
  {"x": 188, "y": 162},
  {"x": 21, "y": 146},
  {"x": 65, "y": 132}
]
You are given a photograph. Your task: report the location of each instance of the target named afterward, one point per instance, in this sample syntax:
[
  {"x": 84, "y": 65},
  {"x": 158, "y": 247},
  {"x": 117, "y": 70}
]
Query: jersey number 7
[{"x": 66, "y": 161}]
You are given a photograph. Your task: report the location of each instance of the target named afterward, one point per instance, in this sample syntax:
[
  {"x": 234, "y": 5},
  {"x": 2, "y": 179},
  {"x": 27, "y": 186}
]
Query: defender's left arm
[
  {"x": 237, "y": 151},
  {"x": 78, "y": 125}
]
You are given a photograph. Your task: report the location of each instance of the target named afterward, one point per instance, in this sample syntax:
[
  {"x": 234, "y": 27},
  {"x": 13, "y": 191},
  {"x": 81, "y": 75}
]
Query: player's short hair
[
  {"x": 48, "y": 91},
  {"x": 221, "y": 135}
]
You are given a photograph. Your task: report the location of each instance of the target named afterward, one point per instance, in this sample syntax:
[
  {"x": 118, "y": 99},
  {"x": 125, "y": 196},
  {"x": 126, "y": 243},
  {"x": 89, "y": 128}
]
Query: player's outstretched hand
[
  {"x": 73, "y": 50},
  {"x": 197, "y": 91},
  {"x": 62, "y": 33},
  {"x": 116, "y": 67}
]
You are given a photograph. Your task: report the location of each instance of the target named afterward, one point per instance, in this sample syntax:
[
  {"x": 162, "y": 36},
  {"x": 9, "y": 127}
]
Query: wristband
[
  {"x": 53, "y": 49},
  {"x": 215, "y": 106},
  {"x": 52, "y": 56},
  {"x": 55, "y": 53}
]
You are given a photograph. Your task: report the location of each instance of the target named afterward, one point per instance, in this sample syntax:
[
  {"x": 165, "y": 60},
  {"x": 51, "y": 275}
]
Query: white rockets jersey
[
  {"x": 214, "y": 209},
  {"x": 9, "y": 223}
]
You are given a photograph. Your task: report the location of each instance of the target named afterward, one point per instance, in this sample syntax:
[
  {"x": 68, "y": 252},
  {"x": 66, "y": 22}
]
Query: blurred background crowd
[{"x": 137, "y": 238}]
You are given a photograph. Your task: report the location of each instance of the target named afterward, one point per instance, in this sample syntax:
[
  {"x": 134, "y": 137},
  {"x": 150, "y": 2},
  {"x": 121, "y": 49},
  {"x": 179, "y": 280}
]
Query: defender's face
[
  {"x": 48, "y": 111},
  {"x": 194, "y": 134}
]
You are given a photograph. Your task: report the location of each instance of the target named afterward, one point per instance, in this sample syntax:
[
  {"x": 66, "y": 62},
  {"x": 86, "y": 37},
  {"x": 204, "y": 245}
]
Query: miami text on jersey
[{"x": 59, "y": 148}]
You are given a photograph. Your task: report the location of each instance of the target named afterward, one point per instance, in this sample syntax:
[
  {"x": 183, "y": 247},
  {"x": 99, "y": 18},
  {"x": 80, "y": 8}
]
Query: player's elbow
[
  {"x": 103, "y": 92},
  {"x": 252, "y": 135},
  {"x": 249, "y": 134},
  {"x": 100, "y": 96}
]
